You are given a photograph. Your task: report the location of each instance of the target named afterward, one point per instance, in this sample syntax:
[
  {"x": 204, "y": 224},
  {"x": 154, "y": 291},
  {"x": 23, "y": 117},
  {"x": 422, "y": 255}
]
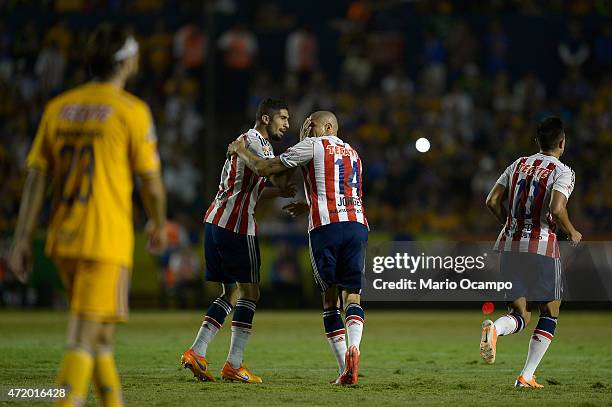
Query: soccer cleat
[
  {"x": 242, "y": 374},
  {"x": 531, "y": 384},
  {"x": 488, "y": 341},
  {"x": 349, "y": 376},
  {"x": 198, "y": 365}
]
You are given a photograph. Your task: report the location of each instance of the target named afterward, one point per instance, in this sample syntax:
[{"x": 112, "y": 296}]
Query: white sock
[
  {"x": 538, "y": 344},
  {"x": 240, "y": 336},
  {"x": 205, "y": 335},
  {"x": 354, "y": 324},
  {"x": 337, "y": 344},
  {"x": 509, "y": 324},
  {"x": 354, "y": 330}
]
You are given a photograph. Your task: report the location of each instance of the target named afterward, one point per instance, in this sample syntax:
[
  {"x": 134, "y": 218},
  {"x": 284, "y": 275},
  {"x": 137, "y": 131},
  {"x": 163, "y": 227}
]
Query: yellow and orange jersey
[{"x": 91, "y": 141}]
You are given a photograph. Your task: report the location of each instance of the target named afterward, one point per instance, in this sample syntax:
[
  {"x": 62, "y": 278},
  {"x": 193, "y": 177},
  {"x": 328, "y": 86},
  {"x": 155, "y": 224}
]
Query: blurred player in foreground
[
  {"x": 231, "y": 248},
  {"x": 538, "y": 189},
  {"x": 90, "y": 142},
  {"x": 338, "y": 229}
]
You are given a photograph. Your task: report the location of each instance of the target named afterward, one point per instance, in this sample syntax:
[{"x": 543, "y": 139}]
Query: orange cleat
[
  {"x": 242, "y": 374},
  {"x": 488, "y": 342},
  {"x": 198, "y": 365},
  {"x": 531, "y": 384},
  {"x": 349, "y": 376}
]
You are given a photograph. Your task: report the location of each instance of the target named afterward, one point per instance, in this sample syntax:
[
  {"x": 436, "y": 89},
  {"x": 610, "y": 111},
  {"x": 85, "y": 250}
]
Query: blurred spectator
[
  {"x": 189, "y": 46},
  {"x": 239, "y": 47},
  {"x": 157, "y": 48},
  {"x": 462, "y": 48},
  {"x": 497, "y": 46},
  {"x": 357, "y": 68},
  {"x": 574, "y": 51},
  {"x": 183, "y": 275},
  {"x": 603, "y": 49},
  {"x": 50, "y": 67},
  {"x": 529, "y": 93},
  {"x": 301, "y": 53}
]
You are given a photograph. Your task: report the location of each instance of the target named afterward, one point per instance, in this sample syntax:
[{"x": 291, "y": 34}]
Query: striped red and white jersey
[
  {"x": 332, "y": 179},
  {"x": 530, "y": 227},
  {"x": 239, "y": 189}
]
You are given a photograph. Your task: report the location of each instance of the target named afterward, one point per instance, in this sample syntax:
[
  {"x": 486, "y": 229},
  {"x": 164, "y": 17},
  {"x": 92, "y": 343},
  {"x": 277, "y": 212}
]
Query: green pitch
[{"x": 407, "y": 357}]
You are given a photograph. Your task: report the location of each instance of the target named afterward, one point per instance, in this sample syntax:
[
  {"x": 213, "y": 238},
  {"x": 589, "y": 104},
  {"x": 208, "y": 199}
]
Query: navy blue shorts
[
  {"x": 337, "y": 254},
  {"x": 533, "y": 276},
  {"x": 230, "y": 257}
]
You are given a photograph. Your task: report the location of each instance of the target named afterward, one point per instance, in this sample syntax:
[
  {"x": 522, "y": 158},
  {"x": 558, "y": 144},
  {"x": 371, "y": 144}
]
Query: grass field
[{"x": 407, "y": 357}]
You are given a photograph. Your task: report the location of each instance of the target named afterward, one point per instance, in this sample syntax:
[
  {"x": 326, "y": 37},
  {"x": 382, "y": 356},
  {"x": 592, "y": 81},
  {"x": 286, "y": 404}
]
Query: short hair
[
  {"x": 270, "y": 107},
  {"x": 549, "y": 133},
  {"x": 102, "y": 46}
]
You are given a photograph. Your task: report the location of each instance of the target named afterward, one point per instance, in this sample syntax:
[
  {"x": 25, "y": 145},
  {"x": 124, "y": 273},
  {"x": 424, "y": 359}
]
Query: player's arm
[
  {"x": 20, "y": 257},
  {"x": 558, "y": 210},
  {"x": 296, "y": 208},
  {"x": 146, "y": 165},
  {"x": 494, "y": 202},
  {"x": 275, "y": 192},
  {"x": 38, "y": 160},
  {"x": 153, "y": 196},
  {"x": 260, "y": 166},
  {"x": 562, "y": 188}
]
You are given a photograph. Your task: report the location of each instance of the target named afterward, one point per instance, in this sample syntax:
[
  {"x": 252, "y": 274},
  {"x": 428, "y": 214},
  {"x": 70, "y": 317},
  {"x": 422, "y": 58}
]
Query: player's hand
[
  {"x": 235, "y": 145},
  {"x": 157, "y": 239},
  {"x": 296, "y": 208},
  {"x": 20, "y": 260},
  {"x": 288, "y": 192},
  {"x": 575, "y": 237},
  {"x": 305, "y": 130}
]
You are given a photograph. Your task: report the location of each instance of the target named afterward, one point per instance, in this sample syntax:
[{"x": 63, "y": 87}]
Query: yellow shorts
[{"x": 96, "y": 291}]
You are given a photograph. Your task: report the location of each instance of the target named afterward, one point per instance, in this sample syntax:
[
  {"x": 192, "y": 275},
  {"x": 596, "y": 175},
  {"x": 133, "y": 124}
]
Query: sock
[
  {"x": 354, "y": 320},
  {"x": 74, "y": 376},
  {"x": 509, "y": 324},
  {"x": 215, "y": 316},
  {"x": 543, "y": 335},
  {"x": 334, "y": 330},
  {"x": 107, "y": 380},
  {"x": 241, "y": 329}
]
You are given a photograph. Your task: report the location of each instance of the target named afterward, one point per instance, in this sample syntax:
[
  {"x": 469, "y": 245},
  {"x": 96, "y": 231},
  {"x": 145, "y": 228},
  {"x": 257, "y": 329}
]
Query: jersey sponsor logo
[
  {"x": 535, "y": 171},
  {"x": 348, "y": 201},
  {"x": 340, "y": 150},
  {"x": 83, "y": 113}
]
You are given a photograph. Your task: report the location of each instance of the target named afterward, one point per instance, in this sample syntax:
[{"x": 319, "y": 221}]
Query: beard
[{"x": 274, "y": 136}]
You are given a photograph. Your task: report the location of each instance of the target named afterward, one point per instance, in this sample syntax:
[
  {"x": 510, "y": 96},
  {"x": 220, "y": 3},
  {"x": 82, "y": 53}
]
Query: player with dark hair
[
  {"x": 231, "y": 248},
  {"x": 91, "y": 141},
  {"x": 537, "y": 188},
  {"x": 338, "y": 229}
]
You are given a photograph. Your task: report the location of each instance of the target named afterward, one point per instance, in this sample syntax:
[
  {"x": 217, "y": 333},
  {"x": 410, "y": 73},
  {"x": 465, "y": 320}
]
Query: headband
[{"x": 130, "y": 48}]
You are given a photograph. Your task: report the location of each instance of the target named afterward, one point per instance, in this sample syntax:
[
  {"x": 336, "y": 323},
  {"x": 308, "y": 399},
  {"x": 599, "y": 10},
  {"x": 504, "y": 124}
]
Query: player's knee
[
  {"x": 87, "y": 335},
  {"x": 105, "y": 340},
  {"x": 550, "y": 309},
  {"x": 330, "y": 298},
  {"x": 249, "y": 292},
  {"x": 230, "y": 293},
  {"x": 351, "y": 298}
]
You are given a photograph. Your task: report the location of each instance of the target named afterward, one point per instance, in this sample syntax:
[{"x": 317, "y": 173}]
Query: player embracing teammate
[
  {"x": 538, "y": 189},
  {"x": 338, "y": 229}
]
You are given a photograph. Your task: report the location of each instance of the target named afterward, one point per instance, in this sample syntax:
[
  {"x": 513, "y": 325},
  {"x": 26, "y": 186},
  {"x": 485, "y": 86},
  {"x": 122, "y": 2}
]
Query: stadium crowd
[{"x": 459, "y": 88}]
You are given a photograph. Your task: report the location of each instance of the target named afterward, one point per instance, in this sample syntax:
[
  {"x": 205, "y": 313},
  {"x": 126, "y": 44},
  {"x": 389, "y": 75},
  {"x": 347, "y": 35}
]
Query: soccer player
[
  {"x": 338, "y": 229},
  {"x": 538, "y": 188},
  {"x": 91, "y": 141},
  {"x": 231, "y": 248}
]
